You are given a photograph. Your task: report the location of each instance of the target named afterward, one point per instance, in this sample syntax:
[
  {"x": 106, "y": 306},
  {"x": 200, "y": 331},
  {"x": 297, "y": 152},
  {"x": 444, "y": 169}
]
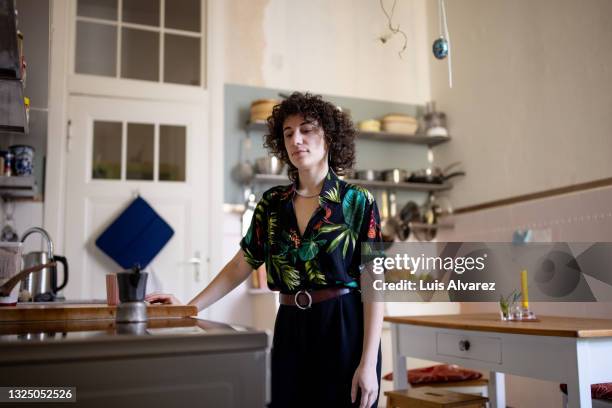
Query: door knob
[{"x": 196, "y": 261}]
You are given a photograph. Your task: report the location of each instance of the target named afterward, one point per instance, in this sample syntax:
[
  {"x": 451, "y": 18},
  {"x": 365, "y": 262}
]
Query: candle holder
[{"x": 510, "y": 310}]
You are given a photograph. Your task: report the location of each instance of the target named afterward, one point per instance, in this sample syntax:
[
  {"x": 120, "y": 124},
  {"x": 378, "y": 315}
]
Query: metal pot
[
  {"x": 269, "y": 165},
  {"x": 369, "y": 175},
  {"x": 395, "y": 175}
]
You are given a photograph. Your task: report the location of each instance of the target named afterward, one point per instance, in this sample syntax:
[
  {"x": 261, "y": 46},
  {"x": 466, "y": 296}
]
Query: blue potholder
[{"x": 136, "y": 236}]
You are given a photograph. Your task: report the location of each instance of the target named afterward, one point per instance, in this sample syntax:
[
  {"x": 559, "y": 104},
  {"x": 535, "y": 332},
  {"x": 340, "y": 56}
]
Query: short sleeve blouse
[{"x": 329, "y": 252}]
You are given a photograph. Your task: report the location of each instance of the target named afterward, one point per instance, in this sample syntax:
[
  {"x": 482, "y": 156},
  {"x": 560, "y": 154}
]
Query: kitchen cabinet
[{"x": 170, "y": 362}]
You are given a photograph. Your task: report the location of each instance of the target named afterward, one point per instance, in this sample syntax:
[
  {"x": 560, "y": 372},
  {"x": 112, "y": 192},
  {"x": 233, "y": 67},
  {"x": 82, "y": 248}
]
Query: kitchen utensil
[
  {"x": 399, "y": 123},
  {"x": 389, "y": 224},
  {"x": 132, "y": 287},
  {"x": 369, "y": 175},
  {"x": 431, "y": 211},
  {"x": 395, "y": 175},
  {"x": 269, "y": 165},
  {"x": 247, "y": 215},
  {"x": 136, "y": 235},
  {"x": 435, "y": 122},
  {"x": 9, "y": 232},
  {"x": 243, "y": 172},
  {"x": 42, "y": 286},
  {"x": 23, "y": 159},
  {"x": 434, "y": 175},
  {"x": 370, "y": 125},
  {"x": 409, "y": 213},
  {"x": 261, "y": 109}
]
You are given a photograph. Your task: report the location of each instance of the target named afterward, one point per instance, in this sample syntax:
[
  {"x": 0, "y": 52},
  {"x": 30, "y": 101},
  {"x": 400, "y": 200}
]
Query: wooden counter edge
[{"x": 88, "y": 312}]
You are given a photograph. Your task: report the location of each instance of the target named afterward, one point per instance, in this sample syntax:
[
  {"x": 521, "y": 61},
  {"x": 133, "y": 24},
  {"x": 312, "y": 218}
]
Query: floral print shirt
[{"x": 329, "y": 252}]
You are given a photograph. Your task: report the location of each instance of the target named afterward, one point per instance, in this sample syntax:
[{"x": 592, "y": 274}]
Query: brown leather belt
[{"x": 304, "y": 299}]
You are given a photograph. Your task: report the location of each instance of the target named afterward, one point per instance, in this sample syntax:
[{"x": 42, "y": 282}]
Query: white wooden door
[{"x": 118, "y": 149}]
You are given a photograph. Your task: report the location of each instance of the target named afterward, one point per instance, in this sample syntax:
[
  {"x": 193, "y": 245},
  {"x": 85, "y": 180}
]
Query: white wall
[
  {"x": 531, "y": 101},
  {"x": 329, "y": 47}
]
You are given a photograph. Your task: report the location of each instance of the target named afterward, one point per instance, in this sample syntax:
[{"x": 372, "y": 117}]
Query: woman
[{"x": 326, "y": 345}]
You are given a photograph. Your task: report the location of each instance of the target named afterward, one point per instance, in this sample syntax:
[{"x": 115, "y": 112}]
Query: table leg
[
  {"x": 497, "y": 390},
  {"x": 578, "y": 385},
  {"x": 579, "y": 395},
  {"x": 400, "y": 381}
]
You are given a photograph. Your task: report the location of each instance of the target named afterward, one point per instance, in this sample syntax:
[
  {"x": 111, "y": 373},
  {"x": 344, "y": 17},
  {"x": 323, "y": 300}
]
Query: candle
[{"x": 525, "y": 289}]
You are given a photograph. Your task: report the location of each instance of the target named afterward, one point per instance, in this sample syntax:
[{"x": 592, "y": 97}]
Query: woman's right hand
[{"x": 163, "y": 298}]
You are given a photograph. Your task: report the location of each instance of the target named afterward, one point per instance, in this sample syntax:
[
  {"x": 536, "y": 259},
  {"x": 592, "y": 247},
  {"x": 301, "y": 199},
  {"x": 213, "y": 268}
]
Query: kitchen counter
[{"x": 162, "y": 362}]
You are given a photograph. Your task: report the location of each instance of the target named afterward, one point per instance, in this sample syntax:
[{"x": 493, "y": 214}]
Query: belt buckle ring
[{"x": 297, "y": 303}]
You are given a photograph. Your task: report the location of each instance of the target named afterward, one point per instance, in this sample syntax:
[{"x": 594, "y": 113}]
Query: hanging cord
[
  {"x": 445, "y": 34},
  {"x": 394, "y": 30}
]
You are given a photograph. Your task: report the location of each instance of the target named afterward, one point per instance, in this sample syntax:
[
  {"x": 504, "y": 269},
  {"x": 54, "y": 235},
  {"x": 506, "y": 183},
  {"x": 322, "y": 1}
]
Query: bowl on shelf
[
  {"x": 269, "y": 165},
  {"x": 261, "y": 109},
  {"x": 370, "y": 125},
  {"x": 399, "y": 123}
]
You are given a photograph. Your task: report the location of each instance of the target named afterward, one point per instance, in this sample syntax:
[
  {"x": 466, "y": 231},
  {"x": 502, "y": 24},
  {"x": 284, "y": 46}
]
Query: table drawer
[{"x": 472, "y": 347}]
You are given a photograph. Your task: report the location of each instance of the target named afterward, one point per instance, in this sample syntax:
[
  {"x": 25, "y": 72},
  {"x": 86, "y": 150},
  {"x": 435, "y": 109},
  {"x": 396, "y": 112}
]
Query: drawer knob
[{"x": 464, "y": 345}]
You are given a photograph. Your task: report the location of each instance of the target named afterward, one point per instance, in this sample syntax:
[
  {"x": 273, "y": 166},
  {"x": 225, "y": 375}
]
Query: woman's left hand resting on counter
[{"x": 163, "y": 298}]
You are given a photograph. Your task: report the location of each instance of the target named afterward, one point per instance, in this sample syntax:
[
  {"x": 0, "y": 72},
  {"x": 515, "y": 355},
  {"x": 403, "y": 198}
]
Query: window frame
[{"x": 135, "y": 88}]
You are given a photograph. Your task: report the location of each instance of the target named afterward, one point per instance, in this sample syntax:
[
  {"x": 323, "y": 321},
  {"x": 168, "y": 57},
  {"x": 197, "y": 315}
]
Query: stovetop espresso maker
[{"x": 132, "y": 286}]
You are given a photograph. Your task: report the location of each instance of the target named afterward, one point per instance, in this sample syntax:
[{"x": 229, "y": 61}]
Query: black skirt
[{"x": 315, "y": 353}]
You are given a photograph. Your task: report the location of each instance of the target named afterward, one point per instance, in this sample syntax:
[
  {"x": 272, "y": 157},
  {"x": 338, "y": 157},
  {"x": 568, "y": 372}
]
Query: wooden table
[{"x": 559, "y": 349}]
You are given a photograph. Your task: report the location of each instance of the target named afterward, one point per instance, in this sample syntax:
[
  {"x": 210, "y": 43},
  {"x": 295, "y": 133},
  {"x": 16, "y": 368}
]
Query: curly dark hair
[{"x": 337, "y": 128}]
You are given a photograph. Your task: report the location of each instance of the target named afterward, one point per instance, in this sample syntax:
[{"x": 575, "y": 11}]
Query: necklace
[{"x": 305, "y": 195}]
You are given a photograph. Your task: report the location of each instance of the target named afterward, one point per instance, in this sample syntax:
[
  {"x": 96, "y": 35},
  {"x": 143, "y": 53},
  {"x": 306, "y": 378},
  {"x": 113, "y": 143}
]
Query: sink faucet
[
  {"x": 5, "y": 289},
  {"x": 45, "y": 235}
]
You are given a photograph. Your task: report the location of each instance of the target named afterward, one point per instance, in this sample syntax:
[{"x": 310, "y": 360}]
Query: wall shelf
[
  {"x": 18, "y": 186},
  {"x": 425, "y": 187},
  {"x": 377, "y": 136},
  {"x": 424, "y": 226}
]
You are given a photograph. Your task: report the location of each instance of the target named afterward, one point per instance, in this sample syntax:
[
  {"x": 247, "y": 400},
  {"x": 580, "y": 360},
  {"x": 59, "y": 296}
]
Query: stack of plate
[
  {"x": 261, "y": 109},
  {"x": 398, "y": 123}
]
